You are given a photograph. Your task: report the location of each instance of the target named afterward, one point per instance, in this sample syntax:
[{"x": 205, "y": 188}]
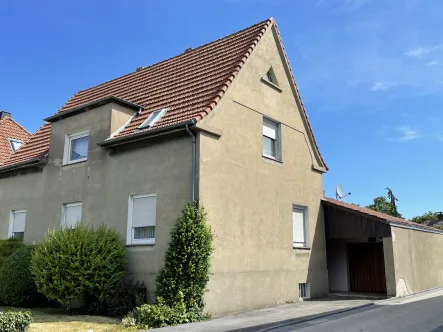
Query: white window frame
[
  {"x": 11, "y": 221},
  {"x": 13, "y": 140},
  {"x": 277, "y": 139},
  {"x": 153, "y": 118},
  {"x": 130, "y": 230},
  {"x": 305, "y": 244},
  {"x": 67, "y": 205},
  {"x": 67, "y": 152}
]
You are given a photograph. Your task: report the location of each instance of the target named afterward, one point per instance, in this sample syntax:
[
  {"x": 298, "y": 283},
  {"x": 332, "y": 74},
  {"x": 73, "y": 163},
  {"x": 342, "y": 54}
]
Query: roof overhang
[
  {"x": 345, "y": 220},
  {"x": 34, "y": 162},
  {"x": 91, "y": 105}
]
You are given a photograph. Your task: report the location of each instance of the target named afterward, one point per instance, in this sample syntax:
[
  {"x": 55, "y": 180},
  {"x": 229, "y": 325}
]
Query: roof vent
[
  {"x": 188, "y": 50},
  {"x": 4, "y": 115},
  {"x": 139, "y": 68}
]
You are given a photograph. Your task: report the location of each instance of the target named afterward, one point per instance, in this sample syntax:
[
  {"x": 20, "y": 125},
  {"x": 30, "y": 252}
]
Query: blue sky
[{"x": 369, "y": 72}]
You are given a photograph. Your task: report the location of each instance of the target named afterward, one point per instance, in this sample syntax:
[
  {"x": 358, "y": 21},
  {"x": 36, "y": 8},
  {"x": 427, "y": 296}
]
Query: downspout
[{"x": 193, "y": 161}]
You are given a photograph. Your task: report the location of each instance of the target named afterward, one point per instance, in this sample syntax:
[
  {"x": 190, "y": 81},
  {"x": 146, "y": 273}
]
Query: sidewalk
[{"x": 264, "y": 318}]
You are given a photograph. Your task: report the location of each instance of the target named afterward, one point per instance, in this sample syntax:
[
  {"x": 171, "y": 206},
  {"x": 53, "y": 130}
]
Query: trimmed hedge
[
  {"x": 15, "y": 321},
  {"x": 79, "y": 263},
  {"x": 17, "y": 286},
  {"x": 7, "y": 247}
]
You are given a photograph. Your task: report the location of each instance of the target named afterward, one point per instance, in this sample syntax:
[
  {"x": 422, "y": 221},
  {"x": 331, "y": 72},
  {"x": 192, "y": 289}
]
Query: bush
[
  {"x": 126, "y": 296},
  {"x": 17, "y": 286},
  {"x": 79, "y": 263},
  {"x": 7, "y": 247},
  {"x": 159, "y": 314},
  {"x": 187, "y": 260},
  {"x": 15, "y": 321}
]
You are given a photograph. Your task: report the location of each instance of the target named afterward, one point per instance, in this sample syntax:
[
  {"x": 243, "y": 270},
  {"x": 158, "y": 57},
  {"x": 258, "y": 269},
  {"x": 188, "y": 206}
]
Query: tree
[
  {"x": 425, "y": 217},
  {"x": 386, "y": 205}
]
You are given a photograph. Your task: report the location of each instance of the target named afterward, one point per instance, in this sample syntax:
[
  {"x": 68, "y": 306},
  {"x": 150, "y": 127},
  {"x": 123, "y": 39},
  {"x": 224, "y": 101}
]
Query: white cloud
[
  {"x": 419, "y": 52},
  {"x": 406, "y": 134},
  {"x": 432, "y": 63},
  {"x": 382, "y": 86}
]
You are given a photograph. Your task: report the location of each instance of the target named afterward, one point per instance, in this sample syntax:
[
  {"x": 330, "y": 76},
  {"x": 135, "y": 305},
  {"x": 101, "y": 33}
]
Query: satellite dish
[{"x": 339, "y": 194}]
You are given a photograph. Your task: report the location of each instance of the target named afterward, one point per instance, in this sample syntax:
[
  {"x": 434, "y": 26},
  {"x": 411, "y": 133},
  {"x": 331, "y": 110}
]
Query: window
[
  {"x": 299, "y": 227},
  {"x": 76, "y": 148},
  {"x": 17, "y": 221},
  {"x": 142, "y": 219},
  {"x": 15, "y": 144},
  {"x": 303, "y": 291},
  {"x": 71, "y": 214},
  {"x": 153, "y": 118},
  {"x": 270, "y": 77},
  {"x": 271, "y": 139}
]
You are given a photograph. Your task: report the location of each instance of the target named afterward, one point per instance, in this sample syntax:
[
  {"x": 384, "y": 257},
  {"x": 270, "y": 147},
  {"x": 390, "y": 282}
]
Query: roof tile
[{"x": 10, "y": 129}]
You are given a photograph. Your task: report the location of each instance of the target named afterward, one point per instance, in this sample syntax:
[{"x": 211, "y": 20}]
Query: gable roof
[
  {"x": 9, "y": 129},
  {"x": 385, "y": 218},
  {"x": 190, "y": 85}
]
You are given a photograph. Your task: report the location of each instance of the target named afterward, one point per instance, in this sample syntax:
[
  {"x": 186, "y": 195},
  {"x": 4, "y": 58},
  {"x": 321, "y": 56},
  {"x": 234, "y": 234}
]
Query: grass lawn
[{"x": 56, "y": 320}]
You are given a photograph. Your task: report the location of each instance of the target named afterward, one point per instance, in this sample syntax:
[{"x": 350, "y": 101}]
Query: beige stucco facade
[
  {"x": 418, "y": 260},
  {"x": 249, "y": 198}
]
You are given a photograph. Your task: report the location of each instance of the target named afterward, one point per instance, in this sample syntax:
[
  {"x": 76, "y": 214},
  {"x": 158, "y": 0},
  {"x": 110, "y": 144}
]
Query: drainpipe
[{"x": 193, "y": 161}]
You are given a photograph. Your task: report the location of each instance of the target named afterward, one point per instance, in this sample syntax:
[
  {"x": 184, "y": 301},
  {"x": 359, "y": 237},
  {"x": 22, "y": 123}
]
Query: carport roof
[{"x": 382, "y": 217}]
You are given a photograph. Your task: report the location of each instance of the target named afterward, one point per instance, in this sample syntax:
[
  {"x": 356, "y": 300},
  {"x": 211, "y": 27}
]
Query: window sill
[
  {"x": 140, "y": 245},
  {"x": 301, "y": 248},
  {"x": 272, "y": 158},
  {"x": 75, "y": 162},
  {"x": 272, "y": 85}
]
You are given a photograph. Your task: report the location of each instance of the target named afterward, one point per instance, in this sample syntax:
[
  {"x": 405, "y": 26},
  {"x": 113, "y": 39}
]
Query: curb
[
  {"x": 411, "y": 296},
  {"x": 313, "y": 317}
]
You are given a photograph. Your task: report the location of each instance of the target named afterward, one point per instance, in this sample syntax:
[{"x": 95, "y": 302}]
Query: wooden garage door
[{"x": 366, "y": 268}]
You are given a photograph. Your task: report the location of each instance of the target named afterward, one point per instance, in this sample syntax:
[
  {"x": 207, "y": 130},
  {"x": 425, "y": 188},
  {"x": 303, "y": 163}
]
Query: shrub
[
  {"x": 79, "y": 263},
  {"x": 126, "y": 296},
  {"x": 15, "y": 321},
  {"x": 17, "y": 286},
  {"x": 187, "y": 260},
  {"x": 7, "y": 247}
]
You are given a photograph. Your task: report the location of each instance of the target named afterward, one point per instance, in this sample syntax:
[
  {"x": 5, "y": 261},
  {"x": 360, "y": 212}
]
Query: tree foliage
[
  {"x": 79, "y": 263},
  {"x": 187, "y": 260},
  {"x": 386, "y": 205},
  {"x": 428, "y": 216}
]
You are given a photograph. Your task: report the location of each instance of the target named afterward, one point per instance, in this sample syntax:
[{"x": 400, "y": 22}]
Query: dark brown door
[{"x": 366, "y": 268}]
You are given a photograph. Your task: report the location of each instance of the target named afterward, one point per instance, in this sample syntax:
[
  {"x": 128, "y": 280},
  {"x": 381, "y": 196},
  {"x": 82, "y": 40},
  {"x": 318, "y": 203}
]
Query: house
[
  {"x": 12, "y": 136},
  {"x": 222, "y": 123}
]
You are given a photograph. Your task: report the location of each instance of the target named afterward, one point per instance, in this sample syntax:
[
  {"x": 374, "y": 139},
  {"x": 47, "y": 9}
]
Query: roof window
[
  {"x": 15, "y": 144},
  {"x": 153, "y": 118}
]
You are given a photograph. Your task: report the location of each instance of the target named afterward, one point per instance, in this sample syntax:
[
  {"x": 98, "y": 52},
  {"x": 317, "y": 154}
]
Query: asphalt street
[{"x": 421, "y": 316}]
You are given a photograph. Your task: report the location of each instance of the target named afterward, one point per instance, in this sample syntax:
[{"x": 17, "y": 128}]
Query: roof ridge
[
  {"x": 171, "y": 58},
  {"x": 18, "y": 124}
]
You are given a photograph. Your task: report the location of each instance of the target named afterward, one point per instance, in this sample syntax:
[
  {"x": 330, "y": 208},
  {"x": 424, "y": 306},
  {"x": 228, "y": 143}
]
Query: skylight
[
  {"x": 153, "y": 118},
  {"x": 15, "y": 144}
]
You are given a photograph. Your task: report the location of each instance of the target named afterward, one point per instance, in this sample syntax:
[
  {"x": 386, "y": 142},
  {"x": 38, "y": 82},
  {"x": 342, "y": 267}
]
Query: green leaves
[
  {"x": 187, "y": 260},
  {"x": 79, "y": 263},
  {"x": 381, "y": 204},
  {"x": 15, "y": 321}
]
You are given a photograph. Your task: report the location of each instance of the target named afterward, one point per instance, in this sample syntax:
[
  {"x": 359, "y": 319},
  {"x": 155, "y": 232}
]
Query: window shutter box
[
  {"x": 144, "y": 211},
  {"x": 19, "y": 222},
  {"x": 298, "y": 227},
  {"x": 269, "y": 129}
]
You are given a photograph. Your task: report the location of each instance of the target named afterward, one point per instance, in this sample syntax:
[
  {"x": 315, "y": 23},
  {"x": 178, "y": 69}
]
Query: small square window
[
  {"x": 142, "y": 216},
  {"x": 71, "y": 214},
  {"x": 271, "y": 139},
  {"x": 15, "y": 144},
  {"x": 17, "y": 222},
  {"x": 76, "y": 148},
  {"x": 303, "y": 291}
]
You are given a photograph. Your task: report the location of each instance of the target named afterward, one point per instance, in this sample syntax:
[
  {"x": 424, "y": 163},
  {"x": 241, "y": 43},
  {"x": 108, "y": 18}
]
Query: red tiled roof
[
  {"x": 371, "y": 213},
  {"x": 10, "y": 129},
  {"x": 190, "y": 85}
]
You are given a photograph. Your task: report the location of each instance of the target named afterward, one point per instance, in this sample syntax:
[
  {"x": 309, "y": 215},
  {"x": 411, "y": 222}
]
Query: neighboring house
[
  {"x": 12, "y": 136},
  {"x": 222, "y": 123}
]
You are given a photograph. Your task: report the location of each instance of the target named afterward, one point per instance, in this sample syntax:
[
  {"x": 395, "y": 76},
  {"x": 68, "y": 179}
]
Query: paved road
[{"x": 424, "y": 315}]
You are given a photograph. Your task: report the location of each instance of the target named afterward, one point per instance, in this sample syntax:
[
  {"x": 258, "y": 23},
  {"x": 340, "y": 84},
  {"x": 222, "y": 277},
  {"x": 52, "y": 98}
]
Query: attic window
[
  {"x": 153, "y": 118},
  {"x": 270, "y": 77},
  {"x": 15, "y": 144}
]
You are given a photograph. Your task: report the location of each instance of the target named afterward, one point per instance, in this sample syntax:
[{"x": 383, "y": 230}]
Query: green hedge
[
  {"x": 15, "y": 321},
  {"x": 17, "y": 286},
  {"x": 79, "y": 263},
  {"x": 7, "y": 247}
]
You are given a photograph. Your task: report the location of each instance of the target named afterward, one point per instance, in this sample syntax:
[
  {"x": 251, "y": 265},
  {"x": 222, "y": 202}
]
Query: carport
[{"x": 359, "y": 247}]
